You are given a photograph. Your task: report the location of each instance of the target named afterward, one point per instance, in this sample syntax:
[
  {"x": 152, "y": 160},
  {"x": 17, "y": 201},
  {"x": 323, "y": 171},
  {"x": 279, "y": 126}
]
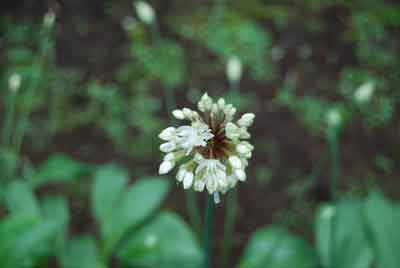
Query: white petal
[
  {"x": 240, "y": 174},
  {"x": 199, "y": 185},
  {"x": 246, "y": 120},
  {"x": 165, "y": 167},
  {"x": 181, "y": 174},
  {"x": 167, "y": 134},
  {"x": 167, "y": 147},
  {"x": 178, "y": 114},
  {"x": 235, "y": 162},
  {"x": 232, "y": 131},
  {"x": 221, "y": 103},
  {"x": 169, "y": 157},
  {"x": 217, "y": 198},
  {"x": 188, "y": 180}
]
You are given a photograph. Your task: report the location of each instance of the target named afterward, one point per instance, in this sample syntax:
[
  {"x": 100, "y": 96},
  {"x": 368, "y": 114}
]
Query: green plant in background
[
  {"x": 365, "y": 236},
  {"x": 130, "y": 229}
]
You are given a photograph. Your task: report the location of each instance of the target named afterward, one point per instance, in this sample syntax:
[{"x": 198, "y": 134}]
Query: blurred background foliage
[{"x": 86, "y": 86}]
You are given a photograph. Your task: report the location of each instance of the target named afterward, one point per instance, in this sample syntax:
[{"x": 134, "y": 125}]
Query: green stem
[
  {"x": 8, "y": 123},
  {"x": 335, "y": 173},
  {"x": 335, "y": 163},
  {"x": 229, "y": 225},
  {"x": 208, "y": 230}
]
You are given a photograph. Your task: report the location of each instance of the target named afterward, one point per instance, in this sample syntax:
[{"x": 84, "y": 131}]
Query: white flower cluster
[{"x": 211, "y": 150}]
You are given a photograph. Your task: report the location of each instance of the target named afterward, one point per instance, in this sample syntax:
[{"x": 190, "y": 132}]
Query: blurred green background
[{"x": 86, "y": 86}]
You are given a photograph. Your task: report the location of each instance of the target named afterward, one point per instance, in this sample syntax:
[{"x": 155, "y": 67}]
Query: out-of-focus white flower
[
  {"x": 145, "y": 12},
  {"x": 234, "y": 69},
  {"x": 217, "y": 155},
  {"x": 49, "y": 19},
  {"x": 334, "y": 117},
  {"x": 14, "y": 82},
  {"x": 364, "y": 92}
]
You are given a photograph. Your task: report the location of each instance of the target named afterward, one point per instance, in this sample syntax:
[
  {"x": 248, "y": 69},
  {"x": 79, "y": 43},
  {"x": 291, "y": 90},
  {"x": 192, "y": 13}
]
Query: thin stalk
[
  {"x": 229, "y": 226},
  {"x": 335, "y": 163},
  {"x": 234, "y": 85},
  {"x": 208, "y": 230},
  {"x": 335, "y": 173},
  {"x": 9, "y": 119}
]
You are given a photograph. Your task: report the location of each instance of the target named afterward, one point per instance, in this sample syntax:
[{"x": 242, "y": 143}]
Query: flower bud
[
  {"x": 246, "y": 120},
  {"x": 234, "y": 69},
  {"x": 49, "y": 19},
  {"x": 14, "y": 82},
  {"x": 178, "y": 114},
  {"x": 364, "y": 92},
  {"x": 167, "y": 134},
  {"x": 165, "y": 167},
  {"x": 145, "y": 12}
]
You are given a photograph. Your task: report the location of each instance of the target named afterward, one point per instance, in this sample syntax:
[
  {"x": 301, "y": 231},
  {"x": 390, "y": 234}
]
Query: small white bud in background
[
  {"x": 150, "y": 241},
  {"x": 14, "y": 82},
  {"x": 364, "y": 92},
  {"x": 334, "y": 117},
  {"x": 328, "y": 212},
  {"x": 178, "y": 114},
  {"x": 49, "y": 19},
  {"x": 165, "y": 167},
  {"x": 129, "y": 23},
  {"x": 145, "y": 12},
  {"x": 246, "y": 120},
  {"x": 234, "y": 69}
]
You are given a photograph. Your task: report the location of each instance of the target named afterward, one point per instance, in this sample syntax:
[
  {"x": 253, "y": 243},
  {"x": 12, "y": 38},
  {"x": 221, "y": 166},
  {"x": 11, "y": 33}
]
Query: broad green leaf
[
  {"x": 274, "y": 247},
  {"x": 55, "y": 210},
  {"x": 81, "y": 252},
  {"x": 20, "y": 199},
  {"x": 135, "y": 206},
  {"x": 110, "y": 182},
  {"x": 340, "y": 236},
  {"x": 28, "y": 245},
  {"x": 165, "y": 242},
  {"x": 58, "y": 168},
  {"x": 383, "y": 219},
  {"x": 10, "y": 229}
]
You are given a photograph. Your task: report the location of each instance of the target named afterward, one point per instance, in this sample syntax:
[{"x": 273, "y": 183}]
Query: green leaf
[
  {"x": 81, "y": 252},
  {"x": 26, "y": 244},
  {"x": 20, "y": 199},
  {"x": 383, "y": 220},
  {"x": 55, "y": 210},
  {"x": 58, "y": 168},
  {"x": 109, "y": 185},
  {"x": 137, "y": 204},
  {"x": 10, "y": 228},
  {"x": 165, "y": 242},
  {"x": 274, "y": 247},
  {"x": 340, "y": 236}
]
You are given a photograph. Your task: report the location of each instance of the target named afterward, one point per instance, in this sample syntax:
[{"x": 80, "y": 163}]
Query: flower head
[{"x": 214, "y": 147}]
